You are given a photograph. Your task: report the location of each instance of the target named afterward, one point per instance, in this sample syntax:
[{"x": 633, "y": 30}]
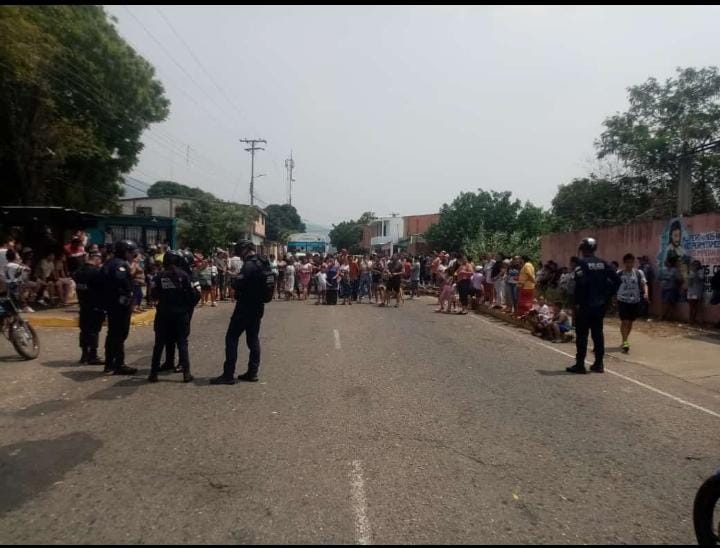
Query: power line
[{"x": 212, "y": 79}]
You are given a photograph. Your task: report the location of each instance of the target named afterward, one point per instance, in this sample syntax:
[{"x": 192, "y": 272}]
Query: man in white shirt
[
  {"x": 632, "y": 292},
  {"x": 234, "y": 267},
  {"x": 8, "y": 243}
]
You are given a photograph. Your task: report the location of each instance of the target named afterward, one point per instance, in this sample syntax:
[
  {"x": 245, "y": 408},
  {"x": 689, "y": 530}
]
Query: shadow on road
[
  {"x": 44, "y": 408},
  {"x": 553, "y": 373},
  {"x": 83, "y": 376},
  {"x": 122, "y": 389},
  {"x": 30, "y": 467}
]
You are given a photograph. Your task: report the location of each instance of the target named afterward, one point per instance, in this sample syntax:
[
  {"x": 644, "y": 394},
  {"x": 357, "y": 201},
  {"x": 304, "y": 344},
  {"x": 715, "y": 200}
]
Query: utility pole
[
  {"x": 289, "y": 166},
  {"x": 684, "y": 203},
  {"x": 251, "y": 150}
]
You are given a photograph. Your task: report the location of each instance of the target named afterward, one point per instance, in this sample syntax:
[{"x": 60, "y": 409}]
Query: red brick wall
[
  {"x": 419, "y": 224},
  {"x": 643, "y": 239}
]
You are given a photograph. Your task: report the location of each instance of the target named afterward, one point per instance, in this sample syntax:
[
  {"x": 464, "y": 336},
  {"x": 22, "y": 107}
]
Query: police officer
[
  {"x": 249, "y": 289},
  {"x": 176, "y": 298},
  {"x": 594, "y": 281},
  {"x": 118, "y": 302},
  {"x": 89, "y": 287},
  {"x": 185, "y": 260}
]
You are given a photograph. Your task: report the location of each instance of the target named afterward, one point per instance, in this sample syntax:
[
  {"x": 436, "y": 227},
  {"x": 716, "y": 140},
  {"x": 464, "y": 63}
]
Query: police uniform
[
  {"x": 176, "y": 298},
  {"x": 118, "y": 304},
  {"x": 89, "y": 287},
  {"x": 249, "y": 289},
  {"x": 594, "y": 281}
]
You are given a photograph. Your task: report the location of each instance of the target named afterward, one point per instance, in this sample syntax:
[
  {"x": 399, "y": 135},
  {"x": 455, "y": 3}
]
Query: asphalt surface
[{"x": 369, "y": 425}]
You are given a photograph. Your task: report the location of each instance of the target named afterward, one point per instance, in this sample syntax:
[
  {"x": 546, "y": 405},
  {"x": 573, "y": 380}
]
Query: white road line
[
  {"x": 359, "y": 504},
  {"x": 634, "y": 381},
  {"x": 337, "y": 339}
]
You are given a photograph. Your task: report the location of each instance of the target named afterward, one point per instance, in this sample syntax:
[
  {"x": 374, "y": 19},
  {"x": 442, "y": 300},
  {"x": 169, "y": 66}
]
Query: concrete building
[
  {"x": 387, "y": 234},
  {"x": 153, "y": 207}
]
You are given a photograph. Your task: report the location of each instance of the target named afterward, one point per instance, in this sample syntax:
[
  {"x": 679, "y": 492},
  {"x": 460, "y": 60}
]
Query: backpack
[{"x": 268, "y": 277}]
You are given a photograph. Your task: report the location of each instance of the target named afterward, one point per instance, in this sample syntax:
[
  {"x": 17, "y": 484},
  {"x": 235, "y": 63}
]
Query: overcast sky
[{"x": 398, "y": 109}]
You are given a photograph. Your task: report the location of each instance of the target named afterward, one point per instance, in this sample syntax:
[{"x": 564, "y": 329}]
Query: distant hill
[{"x": 317, "y": 229}]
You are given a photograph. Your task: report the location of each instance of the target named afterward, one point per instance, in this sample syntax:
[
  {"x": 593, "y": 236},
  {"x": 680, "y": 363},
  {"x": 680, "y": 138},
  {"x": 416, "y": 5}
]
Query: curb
[
  {"x": 137, "y": 320},
  {"x": 501, "y": 316}
]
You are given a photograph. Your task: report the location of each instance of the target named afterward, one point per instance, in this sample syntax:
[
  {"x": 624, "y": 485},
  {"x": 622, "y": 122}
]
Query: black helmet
[
  {"x": 124, "y": 246},
  {"x": 173, "y": 258},
  {"x": 241, "y": 245},
  {"x": 588, "y": 245}
]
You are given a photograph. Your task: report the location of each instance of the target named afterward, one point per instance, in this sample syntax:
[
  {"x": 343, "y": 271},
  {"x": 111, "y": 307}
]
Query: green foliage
[
  {"x": 348, "y": 234},
  {"x": 170, "y": 188},
  {"x": 508, "y": 243},
  {"x": 74, "y": 101},
  {"x": 593, "y": 202},
  {"x": 282, "y": 220},
  {"x": 664, "y": 120},
  {"x": 208, "y": 224},
  {"x": 490, "y": 222}
]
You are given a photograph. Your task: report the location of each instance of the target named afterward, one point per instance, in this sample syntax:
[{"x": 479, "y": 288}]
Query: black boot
[
  {"x": 579, "y": 369},
  {"x": 93, "y": 358},
  {"x": 84, "y": 357},
  {"x": 597, "y": 368},
  {"x": 153, "y": 377},
  {"x": 250, "y": 376},
  {"x": 187, "y": 377},
  {"x": 222, "y": 379}
]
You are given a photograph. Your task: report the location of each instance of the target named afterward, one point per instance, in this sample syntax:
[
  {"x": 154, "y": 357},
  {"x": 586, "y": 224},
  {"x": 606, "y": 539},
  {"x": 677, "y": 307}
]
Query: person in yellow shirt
[{"x": 526, "y": 283}]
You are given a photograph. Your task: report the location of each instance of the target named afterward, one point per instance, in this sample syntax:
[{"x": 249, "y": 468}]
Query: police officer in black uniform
[
  {"x": 185, "y": 262},
  {"x": 89, "y": 287},
  {"x": 118, "y": 303},
  {"x": 249, "y": 308},
  {"x": 176, "y": 298},
  {"x": 595, "y": 280}
]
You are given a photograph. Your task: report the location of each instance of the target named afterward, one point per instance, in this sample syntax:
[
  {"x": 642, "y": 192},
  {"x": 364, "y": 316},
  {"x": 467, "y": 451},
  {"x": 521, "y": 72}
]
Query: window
[{"x": 144, "y": 211}]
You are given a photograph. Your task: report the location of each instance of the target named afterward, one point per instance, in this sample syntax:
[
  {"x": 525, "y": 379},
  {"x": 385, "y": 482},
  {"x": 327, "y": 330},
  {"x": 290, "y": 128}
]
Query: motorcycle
[
  {"x": 705, "y": 520},
  {"x": 17, "y": 330}
]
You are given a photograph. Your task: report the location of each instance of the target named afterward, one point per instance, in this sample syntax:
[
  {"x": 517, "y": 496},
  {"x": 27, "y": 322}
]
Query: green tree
[
  {"x": 664, "y": 120},
  {"x": 208, "y": 224},
  {"x": 282, "y": 220},
  {"x": 74, "y": 101},
  {"x": 470, "y": 212},
  {"x": 348, "y": 234},
  {"x": 593, "y": 202},
  {"x": 160, "y": 189}
]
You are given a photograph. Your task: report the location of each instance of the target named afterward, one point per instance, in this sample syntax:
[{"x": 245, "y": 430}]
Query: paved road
[{"x": 369, "y": 425}]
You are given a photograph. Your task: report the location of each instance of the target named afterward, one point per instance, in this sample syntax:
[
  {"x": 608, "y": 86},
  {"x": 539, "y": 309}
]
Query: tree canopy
[
  {"x": 282, "y": 220},
  {"x": 348, "y": 234},
  {"x": 160, "y": 189},
  {"x": 209, "y": 224},
  {"x": 74, "y": 101},
  {"x": 475, "y": 222}
]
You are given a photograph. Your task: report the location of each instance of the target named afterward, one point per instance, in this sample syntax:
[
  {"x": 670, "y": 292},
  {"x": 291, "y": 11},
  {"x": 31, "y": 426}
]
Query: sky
[{"x": 398, "y": 109}]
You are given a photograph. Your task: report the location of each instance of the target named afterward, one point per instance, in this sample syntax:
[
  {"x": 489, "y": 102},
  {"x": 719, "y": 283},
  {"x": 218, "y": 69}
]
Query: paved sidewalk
[{"x": 674, "y": 349}]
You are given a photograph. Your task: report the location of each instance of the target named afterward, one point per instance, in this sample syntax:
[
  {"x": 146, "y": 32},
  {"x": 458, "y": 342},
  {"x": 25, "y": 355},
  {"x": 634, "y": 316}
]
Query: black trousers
[
  {"x": 118, "y": 329},
  {"x": 91, "y": 320},
  {"x": 464, "y": 288},
  {"x": 171, "y": 329},
  {"x": 248, "y": 322},
  {"x": 589, "y": 320}
]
